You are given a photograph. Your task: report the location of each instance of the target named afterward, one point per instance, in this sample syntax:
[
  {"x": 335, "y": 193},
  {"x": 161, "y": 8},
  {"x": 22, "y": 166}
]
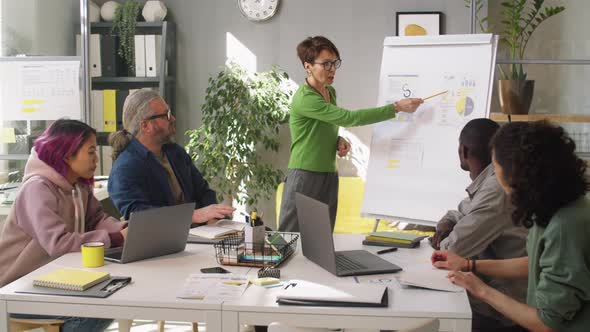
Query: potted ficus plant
[
  {"x": 242, "y": 115},
  {"x": 520, "y": 19},
  {"x": 124, "y": 24}
]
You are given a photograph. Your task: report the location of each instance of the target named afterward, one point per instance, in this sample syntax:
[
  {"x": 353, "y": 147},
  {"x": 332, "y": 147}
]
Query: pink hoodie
[{"x": 48, "y": 219}]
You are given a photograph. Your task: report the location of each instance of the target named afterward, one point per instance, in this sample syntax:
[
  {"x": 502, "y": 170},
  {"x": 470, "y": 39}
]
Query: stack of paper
[
  {"x": 393, "y": 239},
  {"x": 428, "y": 277},
  {"x": 218, "y": 230}
]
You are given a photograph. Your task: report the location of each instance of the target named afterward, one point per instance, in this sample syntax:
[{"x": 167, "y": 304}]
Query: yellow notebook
[
  {"x": 387, "y": 239},
  {"x": 70, "y": 279}
]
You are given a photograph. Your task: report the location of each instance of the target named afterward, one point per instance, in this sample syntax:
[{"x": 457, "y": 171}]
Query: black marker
[{"x": 384, "y": 251}]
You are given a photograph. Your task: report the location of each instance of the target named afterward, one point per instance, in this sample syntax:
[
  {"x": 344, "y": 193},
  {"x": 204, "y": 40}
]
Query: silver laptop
[
  {"x": 154, "y": 232},
  {"x": 318, "y": 244}
]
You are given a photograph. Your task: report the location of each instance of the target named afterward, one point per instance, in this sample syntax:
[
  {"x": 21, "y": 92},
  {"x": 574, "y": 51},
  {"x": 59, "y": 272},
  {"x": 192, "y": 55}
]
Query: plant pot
[{"x": 516, "y": 96}]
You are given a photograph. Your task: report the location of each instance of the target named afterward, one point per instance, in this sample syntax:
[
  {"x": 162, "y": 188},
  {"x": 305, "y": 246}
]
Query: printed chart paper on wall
[
  {"x": 414, "y": 173},
  {"x": 38, "y": 88}
]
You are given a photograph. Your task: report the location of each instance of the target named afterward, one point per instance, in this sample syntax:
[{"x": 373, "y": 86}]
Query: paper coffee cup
[{"x": 92, "y": 254}]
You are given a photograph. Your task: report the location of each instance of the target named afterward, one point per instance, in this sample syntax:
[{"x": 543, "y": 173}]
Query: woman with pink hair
[{"x": 55, "y": 210}]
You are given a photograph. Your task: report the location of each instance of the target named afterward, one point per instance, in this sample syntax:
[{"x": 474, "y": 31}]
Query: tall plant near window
[{"x": 242, "y": 115}]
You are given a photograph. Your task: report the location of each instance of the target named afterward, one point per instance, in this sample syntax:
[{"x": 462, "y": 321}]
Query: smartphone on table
[{"x": 216, "y": 269}]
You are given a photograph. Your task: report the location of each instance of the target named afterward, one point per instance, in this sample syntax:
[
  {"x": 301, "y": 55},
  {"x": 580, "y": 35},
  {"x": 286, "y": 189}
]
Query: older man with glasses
[{"x": 149, "y": 169}]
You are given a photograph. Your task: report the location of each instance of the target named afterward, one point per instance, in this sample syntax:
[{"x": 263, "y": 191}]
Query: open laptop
[
  {"x": 318, "y": 244},
  {"x": 154, "y": 232}
]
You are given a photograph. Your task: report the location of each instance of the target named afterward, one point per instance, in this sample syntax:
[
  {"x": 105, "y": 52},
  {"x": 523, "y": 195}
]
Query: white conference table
[
  {"x": 407, "y": 306},
  {"x": 151, "y": 295},
  {"x": 156, "y": 281}
]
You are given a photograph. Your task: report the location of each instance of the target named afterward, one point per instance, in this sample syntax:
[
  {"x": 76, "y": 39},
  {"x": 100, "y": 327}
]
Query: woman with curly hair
[{"x": 537, "y": 167}]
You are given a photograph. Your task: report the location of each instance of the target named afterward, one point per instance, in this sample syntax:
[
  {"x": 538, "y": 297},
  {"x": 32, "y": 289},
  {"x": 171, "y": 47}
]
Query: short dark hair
[
  {"x": 309, "y": 49},
  {"x": 476, "y": 136},
  {"x": 541, "y": 167}
]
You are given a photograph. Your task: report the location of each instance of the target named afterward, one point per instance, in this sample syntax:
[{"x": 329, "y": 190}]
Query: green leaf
[{"x": 240, "y": 118}]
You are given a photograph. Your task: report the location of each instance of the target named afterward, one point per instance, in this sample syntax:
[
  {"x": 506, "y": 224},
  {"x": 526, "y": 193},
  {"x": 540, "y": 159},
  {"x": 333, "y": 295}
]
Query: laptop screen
[{"x": 317, "y": 241}]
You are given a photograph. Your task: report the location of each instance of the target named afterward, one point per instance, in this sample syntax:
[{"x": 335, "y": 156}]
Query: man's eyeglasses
[
  {"x": 167, "y": 115},
  {"x": 328, "y": 65}
]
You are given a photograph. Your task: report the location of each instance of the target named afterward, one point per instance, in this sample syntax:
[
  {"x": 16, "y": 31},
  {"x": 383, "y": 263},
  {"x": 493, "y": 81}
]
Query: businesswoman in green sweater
[
  {"x": 314, "y": 122},
  {"x": 537, "y": 167}
]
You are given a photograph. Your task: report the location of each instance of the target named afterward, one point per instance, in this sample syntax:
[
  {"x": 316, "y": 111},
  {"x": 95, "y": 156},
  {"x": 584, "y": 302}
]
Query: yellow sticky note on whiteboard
[{"x": 8, "y": 135}]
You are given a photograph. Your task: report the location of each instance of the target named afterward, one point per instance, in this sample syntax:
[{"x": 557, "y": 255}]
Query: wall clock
[{"x": 258, "y": 10}]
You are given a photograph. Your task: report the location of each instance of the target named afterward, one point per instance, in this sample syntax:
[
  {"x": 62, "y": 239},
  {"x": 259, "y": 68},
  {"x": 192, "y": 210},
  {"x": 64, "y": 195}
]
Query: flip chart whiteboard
[{"x": 414, "y": 172}]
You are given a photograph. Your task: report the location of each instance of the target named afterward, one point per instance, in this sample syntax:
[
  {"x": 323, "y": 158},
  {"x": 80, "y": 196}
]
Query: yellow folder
[{"x": 109, "y": 108}]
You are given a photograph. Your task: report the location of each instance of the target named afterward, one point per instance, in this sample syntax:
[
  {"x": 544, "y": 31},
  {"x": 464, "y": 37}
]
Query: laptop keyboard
[
  {"x": 344, "y": 263},
  {"x": 115, "y": 255}
]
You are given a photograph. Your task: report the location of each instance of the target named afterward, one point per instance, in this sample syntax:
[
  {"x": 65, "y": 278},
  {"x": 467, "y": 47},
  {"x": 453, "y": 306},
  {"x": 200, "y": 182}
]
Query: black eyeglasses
[
  {"x": 167, "y": 115},
  {"x": 328, "y": 65}
]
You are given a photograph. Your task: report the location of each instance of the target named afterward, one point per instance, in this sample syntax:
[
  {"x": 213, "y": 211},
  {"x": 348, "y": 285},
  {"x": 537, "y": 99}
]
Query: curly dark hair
[{"x": 540, "y": 166}]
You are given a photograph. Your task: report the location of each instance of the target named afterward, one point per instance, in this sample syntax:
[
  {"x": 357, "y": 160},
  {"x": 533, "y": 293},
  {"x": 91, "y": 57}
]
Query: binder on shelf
[
  {"x": 120, "y": 100},
  {"x": 107, "y": 159},
  {"x": 108, "y": 55},
  {"x": 96, "y": 110},
  {"x": 94, "y": 58},
  {"x": 152, "y": 55},
  {"x": 140, "y": 56},
  {"x": 109, "y": 110},
  {"x": 71, "y": 279},
  {"x": 94, "y": 53}
]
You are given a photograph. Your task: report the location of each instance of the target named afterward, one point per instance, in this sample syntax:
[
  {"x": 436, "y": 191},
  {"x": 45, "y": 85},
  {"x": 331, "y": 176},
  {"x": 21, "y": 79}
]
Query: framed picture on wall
[{"x": 418, "y": 23}]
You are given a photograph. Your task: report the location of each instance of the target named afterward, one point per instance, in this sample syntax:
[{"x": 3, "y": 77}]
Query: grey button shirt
[{"x": 484, "y": 230}]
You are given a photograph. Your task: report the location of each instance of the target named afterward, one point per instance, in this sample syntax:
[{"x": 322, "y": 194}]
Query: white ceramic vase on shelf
[
  {"x": 154, "y": 11},
  {"x": 93, "y": 12},
  {"x": 107, "y": 11}
]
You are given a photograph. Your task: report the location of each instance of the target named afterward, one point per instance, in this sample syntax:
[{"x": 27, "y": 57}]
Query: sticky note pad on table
[{"x": 265, "y": 281}]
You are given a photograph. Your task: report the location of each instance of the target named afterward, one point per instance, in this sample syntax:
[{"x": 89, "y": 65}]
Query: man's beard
[{"x": 169, "y": 138}]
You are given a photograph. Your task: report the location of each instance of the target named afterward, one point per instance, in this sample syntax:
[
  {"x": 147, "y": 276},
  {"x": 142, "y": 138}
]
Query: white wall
[
  {"x": 356, "y": 27},
  {"x": 558, "y": 88}
]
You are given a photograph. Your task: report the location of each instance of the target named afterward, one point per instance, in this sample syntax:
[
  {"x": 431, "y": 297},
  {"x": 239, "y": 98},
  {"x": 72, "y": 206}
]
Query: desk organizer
[{"x": 235, "y": 251}]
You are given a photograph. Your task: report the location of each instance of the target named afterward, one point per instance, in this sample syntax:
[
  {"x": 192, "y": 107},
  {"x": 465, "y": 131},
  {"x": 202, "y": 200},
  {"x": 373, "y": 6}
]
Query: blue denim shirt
[{"x": 139, "y": 182}]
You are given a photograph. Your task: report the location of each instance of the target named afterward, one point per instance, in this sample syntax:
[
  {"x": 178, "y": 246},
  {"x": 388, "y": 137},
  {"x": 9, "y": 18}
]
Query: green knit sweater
[
  {"x": 314, "y": 125},
  {"x": 559, "y": 268}
]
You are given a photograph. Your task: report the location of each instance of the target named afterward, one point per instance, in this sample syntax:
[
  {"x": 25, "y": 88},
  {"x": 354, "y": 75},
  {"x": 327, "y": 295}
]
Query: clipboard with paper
[{"x": 101, "y": 290}]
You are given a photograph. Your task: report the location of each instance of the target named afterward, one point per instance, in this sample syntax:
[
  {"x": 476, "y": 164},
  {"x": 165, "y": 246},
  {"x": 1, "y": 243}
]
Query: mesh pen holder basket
[{"x": 278, "y": 247}]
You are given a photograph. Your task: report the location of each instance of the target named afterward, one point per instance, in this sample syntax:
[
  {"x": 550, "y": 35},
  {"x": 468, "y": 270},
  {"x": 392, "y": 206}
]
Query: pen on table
[{"x": 384, "y": 251}]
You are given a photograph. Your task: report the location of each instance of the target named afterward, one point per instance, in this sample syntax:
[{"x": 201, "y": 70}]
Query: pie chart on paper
[{"x": 465, "y": 106}]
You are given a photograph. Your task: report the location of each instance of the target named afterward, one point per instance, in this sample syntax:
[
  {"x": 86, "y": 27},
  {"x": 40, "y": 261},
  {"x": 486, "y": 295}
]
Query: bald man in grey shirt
[{"x": 482, "y": 228}]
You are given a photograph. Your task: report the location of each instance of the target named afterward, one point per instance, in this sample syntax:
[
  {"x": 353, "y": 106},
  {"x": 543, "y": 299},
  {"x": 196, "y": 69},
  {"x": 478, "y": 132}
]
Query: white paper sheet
[{"x": 214, "y": 286}]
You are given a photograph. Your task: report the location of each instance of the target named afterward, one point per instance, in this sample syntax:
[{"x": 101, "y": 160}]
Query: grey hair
[{"x": 135, "y": 109}]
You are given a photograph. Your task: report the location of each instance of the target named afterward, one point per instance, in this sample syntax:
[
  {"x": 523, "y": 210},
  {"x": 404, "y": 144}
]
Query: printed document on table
[{"x": 214, "y": 286}]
